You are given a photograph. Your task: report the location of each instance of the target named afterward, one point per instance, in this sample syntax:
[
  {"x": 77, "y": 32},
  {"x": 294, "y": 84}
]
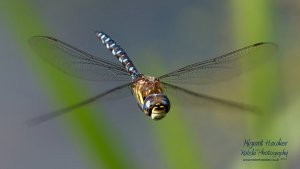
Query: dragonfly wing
[
  {"x": 75, "y": 62},
  {"x": 223, "y": 67},
  {"x": 117, "y": 92},
  {"x": 199, "y": 99}
]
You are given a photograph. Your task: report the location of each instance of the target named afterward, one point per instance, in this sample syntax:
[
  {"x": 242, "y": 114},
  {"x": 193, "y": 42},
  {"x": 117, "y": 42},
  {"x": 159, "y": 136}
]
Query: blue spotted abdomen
[{"x": 119, "y": 53}]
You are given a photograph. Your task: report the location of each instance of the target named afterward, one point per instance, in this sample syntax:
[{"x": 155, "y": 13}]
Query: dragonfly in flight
[{"x": 149, "y": 91}]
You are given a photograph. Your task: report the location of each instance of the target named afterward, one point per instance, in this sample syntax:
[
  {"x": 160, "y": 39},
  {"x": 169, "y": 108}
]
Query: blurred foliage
[
  {"x": 96, "y": 137},
  {"x": 255, "y": 21},
  {"x": 175, "y": 141}
]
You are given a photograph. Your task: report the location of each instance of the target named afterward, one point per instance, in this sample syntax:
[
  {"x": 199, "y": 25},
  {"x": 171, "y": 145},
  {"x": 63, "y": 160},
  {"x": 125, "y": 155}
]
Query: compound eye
[
  {"x": 147, "y": 107},
  {"x": 156, "y": 106}
]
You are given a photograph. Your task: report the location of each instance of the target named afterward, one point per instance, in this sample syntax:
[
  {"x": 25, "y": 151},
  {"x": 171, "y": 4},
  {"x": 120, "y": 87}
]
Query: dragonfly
[{"x": 149, "y": 92}]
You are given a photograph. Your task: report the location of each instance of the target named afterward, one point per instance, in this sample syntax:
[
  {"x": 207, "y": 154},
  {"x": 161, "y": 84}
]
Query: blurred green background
[{"x": 159, "y": 36}]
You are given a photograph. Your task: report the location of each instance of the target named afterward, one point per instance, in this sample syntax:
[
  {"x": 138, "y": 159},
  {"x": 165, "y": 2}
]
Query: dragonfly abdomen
[{"x": 119, "y": 53}]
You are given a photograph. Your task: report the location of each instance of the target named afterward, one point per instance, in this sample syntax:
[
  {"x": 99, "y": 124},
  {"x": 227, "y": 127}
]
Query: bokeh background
[{"x": 159, "y": 36}]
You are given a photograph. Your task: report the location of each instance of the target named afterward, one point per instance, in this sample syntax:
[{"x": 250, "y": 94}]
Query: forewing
[
  {"x": 117, "y": 92},
  {"x": 75, "y": 62},
  {"x": 223, "y": 67},
  {"x": 192, "y": 99}
]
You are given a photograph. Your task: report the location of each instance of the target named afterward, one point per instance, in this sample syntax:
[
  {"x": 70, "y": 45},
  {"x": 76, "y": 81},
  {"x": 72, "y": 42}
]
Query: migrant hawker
[{"x": 149, "y": 91}]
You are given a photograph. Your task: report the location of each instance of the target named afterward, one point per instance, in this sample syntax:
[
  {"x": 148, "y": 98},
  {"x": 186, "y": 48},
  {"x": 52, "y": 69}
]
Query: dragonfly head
[{"x": 156, "y": 106}]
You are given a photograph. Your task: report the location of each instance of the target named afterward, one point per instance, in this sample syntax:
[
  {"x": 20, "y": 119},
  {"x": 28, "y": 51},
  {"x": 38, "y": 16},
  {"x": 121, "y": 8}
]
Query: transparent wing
[
  {"x": 120, "y": 91},
  {"x": 223, "y": 67},
  {"x": 202, "y": 100},
  {"x": 75, "y": 62}
]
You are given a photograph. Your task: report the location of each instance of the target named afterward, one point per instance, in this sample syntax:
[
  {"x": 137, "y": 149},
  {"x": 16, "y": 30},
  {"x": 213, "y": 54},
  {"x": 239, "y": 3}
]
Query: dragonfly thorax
[{"x": 150, "y": 97}]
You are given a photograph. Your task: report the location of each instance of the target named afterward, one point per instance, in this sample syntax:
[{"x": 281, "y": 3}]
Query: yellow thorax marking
[{"x": 145, "y": 86}]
